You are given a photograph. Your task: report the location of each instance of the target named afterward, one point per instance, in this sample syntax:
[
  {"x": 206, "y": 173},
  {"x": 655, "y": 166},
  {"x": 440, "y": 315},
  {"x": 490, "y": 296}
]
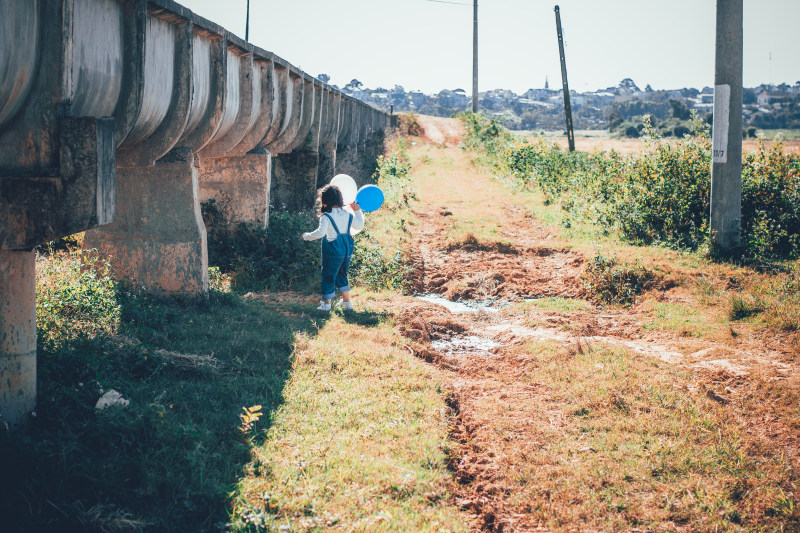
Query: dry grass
[
  {"x": 620, "y": 441},
  {"x": 590, "y": 141},
  {"x": 360, "y": 443}
]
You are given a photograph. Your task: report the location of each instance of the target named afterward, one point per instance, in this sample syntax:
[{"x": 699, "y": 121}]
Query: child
[{"x": 337, "y": 245}]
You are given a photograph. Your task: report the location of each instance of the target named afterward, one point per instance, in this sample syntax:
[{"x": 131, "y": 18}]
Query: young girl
[{"x": 337, "y": 227}]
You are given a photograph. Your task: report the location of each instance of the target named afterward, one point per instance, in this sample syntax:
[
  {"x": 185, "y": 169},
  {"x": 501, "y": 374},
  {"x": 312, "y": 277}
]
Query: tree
[
  {"x": 324, "y": 78},
  {"x": 354, "y": 85},
  {"x": 679, "y": 109}
]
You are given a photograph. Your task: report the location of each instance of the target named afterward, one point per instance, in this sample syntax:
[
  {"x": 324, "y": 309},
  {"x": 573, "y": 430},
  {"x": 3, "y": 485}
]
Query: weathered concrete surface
[
  {"x": 157, "y": 238},
  {"x": 294, "y": 181},
  {"x": 81, "y": 195},
  {"x": 725, "y": 218},
  {"x": 241, "y": 184},
  {"x": 17, "y": 335},
  {"x": 327, "y": 165}
]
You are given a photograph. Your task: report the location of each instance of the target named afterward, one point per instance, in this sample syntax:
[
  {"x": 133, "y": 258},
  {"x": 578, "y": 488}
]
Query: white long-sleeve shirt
[{"x": 340, "y": 216}]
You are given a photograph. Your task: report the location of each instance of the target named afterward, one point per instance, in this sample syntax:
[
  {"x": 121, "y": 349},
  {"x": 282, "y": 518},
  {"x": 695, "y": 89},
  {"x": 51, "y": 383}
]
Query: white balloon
[{"x": 348, "y": 187}]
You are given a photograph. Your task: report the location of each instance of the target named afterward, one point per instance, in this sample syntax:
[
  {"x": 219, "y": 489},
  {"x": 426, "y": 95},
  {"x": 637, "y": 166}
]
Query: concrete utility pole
[
  {"x": 726, "y": 166},
  {"x": 475, "y": 57},
  {"x": 247, "y": 23},
  {"x": 567, "y": 109}
]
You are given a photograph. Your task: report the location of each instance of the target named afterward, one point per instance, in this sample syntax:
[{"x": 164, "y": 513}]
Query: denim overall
[{"x": 336, "y": 260}]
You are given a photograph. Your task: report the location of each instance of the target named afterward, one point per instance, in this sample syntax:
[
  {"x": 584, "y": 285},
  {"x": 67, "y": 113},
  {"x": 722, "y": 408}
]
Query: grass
[
  {"x": 556, "y": 303},
  {"x": 637, "y": 446},
  {"x": 221, "y": 390},
  {"x": 687, "y": 322},
  {"x": 168, "y": 459},
  {"x": 360, "y": 443}
]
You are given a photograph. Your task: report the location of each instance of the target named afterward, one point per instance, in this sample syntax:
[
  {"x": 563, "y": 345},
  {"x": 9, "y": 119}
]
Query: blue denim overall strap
[
  {"x": 342, "y": 245},
  {"x": 336, "y": 260}
]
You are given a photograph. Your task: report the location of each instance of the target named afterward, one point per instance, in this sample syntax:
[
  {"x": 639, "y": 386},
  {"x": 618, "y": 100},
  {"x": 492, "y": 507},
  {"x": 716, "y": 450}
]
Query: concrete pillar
[
  {"x": 158, "y": 238},
  {"x": 327, "y": 164},
  {"x": 242, "y": 182},
  {"x": 294, "y": 181},
  {"x": 726, "y": 166},
  {"x": 17, "y": 335}
]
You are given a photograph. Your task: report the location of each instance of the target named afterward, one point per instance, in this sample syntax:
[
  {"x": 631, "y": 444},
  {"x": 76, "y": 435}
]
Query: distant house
[{"x": 770, "y": 97}]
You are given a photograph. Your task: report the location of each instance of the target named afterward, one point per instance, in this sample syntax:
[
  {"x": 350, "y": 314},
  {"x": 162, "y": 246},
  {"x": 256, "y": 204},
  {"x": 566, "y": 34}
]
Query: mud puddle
[{"x": 463, "y": 306}]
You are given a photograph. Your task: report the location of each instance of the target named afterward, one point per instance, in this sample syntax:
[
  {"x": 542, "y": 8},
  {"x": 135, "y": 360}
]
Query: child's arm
[
  {"x": 319, "y": 232},
  {"x": 358, "y": 218}
]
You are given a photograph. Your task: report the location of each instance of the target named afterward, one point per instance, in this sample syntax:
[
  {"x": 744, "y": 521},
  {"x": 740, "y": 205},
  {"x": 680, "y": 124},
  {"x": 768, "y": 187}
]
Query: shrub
[
  {"x": 662, "y": 195},
  {"x": 75, "y": 298},
  {"x": 274, "y": 258},
  {"x": 608, "y": 281},
  {"x": 632, "y": 131}
]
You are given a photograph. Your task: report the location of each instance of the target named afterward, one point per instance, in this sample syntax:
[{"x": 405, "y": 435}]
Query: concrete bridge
[{"x": 120, "y": 117}]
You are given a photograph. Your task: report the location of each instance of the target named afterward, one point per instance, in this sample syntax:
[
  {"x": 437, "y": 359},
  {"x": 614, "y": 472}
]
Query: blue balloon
[{"x": 369, "y": 198}]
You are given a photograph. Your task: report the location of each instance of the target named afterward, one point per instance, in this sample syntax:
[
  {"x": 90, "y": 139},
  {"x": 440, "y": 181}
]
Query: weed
[
  {"x": 661, "y": 196},
  {"x": 257, "y": 258},
  {"x": 744, "y": 306},
  {"x": 608, "y": 281}
]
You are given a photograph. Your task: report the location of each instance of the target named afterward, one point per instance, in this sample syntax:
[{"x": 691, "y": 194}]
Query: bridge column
[
  {"x": 294, "y": 181},
  {"x": 241, "y": 182},
  {"x": 157, "y": 238},
  {"x": 17, "y": 335}
]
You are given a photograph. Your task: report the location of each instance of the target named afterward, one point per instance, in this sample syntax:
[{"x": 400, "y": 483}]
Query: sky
[{"x": 426, "y": 45}]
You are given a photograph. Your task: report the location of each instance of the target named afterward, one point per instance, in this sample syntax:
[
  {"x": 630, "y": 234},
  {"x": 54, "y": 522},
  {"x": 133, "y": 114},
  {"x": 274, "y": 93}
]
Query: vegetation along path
[
  {"x": 564, "y": 412},
  {"x": 510, "y": 366}
]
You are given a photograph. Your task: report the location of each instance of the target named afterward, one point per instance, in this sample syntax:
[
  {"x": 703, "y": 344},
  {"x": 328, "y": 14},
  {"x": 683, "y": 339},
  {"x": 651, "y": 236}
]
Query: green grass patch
[
  {"x": 359, "y": 444},
  {"x": 168, "y": 459},
  {"x": 556, "y": 303},
  {"x": 679, "y": 318}
]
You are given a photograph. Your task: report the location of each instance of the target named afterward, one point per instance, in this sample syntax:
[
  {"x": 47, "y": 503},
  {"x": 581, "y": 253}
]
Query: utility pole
[
  {"x": 247, "y": 23},
  {"x": 726, "y": 140},
  {"x": 475, "y": 57},
  {"x": 567, "y": 109}
]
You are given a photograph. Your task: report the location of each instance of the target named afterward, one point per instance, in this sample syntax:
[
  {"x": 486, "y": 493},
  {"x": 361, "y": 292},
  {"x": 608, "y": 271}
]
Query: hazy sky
[{"x": 427, "y": 45}]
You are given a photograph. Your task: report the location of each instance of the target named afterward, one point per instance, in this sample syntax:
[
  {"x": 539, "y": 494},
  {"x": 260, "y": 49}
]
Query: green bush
[
  {"x": 75, "y": 298},
  {"x": 662, "y": 195},
  {"x": 274, "y": 258},
  {"x": 608, "y": 281},
  {"x": 771, "y": 203}
]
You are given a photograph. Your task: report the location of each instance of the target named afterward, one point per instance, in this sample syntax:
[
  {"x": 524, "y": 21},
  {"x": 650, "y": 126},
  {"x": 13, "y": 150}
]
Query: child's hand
[{"x": 355, "y": 207}]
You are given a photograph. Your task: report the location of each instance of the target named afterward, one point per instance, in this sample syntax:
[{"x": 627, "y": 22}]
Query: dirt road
[{"x": 503, "y": 312}]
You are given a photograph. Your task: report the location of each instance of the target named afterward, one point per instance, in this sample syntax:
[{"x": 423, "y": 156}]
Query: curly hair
[{"x": 329, "y": 197}]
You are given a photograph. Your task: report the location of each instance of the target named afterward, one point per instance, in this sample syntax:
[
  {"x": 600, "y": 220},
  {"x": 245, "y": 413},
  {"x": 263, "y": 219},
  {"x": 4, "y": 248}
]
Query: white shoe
[
  {"x": 347, "y": 306},
  {"x": 323, "y": 306}
]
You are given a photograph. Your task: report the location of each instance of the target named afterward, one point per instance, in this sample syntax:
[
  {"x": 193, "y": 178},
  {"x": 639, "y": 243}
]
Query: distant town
[{"x": 765, "y": 106}]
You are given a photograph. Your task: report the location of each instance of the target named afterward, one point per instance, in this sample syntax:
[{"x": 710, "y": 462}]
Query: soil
[{"x": 474, "y": 347}]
